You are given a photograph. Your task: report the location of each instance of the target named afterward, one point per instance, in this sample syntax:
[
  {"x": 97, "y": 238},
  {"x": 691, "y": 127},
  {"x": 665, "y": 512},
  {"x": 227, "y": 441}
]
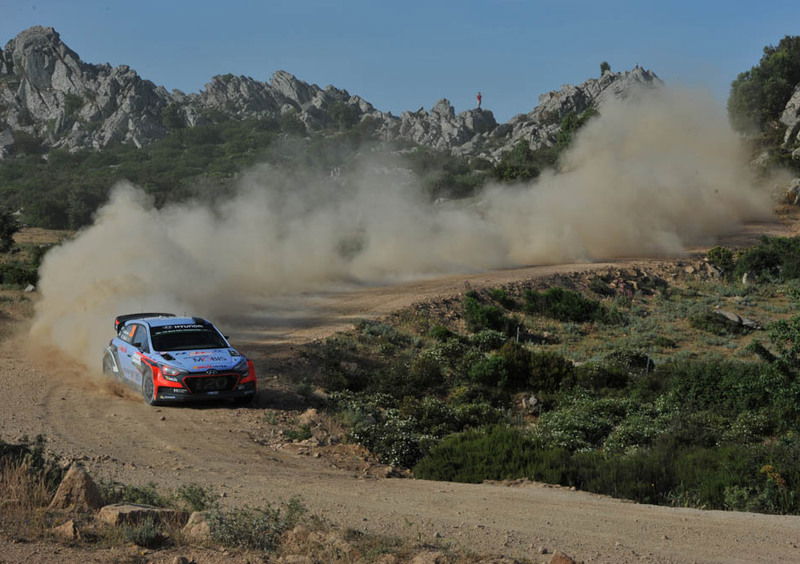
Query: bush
[
  {"x": 254, "y": 528},
  {"x": 723, "y": 259},
  {"x": 18, "y": 274},
  {"x": 548, "y": 370},
  {"x": 582, "y": 424},
  {"x": 480, "y": 316},
  {"x": 566, "y": 305},
  {"x": 488, "y": 340},
  {"x": 196, "y": 497},
  {"x": 773, "y": 259},
  {"x": 8, "y": 228},
  {"x": 145, "y": 533},
  {"x": 440, "y": 333},
  {"x": 116, "y": 492}
]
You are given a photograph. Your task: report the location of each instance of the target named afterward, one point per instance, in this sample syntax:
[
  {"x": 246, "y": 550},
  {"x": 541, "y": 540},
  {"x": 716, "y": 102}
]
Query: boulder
[
  {"x": 126, "y": 514},
  {"x": 561, "y": 558},
  {"x": 77, "y": 492},
  {"x": 793, "y": 192},
  {"x": 430, "y": 557},
  {"x": 67, "y": 531},
  {"x": 791, "y": 119},
  {"x": 197, "y": 528}
]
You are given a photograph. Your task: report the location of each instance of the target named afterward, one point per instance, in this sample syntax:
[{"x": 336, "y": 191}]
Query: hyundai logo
[{"x": 212, "y": 371}]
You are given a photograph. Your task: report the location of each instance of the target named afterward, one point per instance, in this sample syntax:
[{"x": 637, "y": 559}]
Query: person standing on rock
[{"x": 479, "y": 97}]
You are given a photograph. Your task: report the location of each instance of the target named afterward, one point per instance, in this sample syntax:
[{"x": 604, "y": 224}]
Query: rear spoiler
[{"x": 120, "y": 320}]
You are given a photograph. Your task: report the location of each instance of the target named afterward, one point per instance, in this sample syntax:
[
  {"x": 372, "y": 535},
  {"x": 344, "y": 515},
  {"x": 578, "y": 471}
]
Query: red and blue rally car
[{"x": 172, "y": 359}]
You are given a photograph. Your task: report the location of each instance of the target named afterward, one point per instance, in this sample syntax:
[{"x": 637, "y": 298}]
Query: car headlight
[
  {"x": 171, "y": 373},
  {"x": 242, "y": 367}
]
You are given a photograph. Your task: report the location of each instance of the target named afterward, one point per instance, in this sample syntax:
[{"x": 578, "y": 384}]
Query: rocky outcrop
[
  {"x": 48, "y": 94},
  {"x": 77, "y": 492},
  {"x": 541, "y": 126},
  {"x": 791, "y": 119},
  {"x": 197, "y": 528},
  {"x": 46, "y": 91}
]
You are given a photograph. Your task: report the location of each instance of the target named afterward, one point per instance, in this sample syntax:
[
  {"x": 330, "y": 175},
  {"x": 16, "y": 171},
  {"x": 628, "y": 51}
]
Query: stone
[
  {"x": 125, "y": 514},
  {"x": 561, "y": 558},
  {"x": 77, "y": 492},
  {"x": 67, "y": 531},
  {"x": 429, "y": 557},
  {"x": 197, "y": 528},
  {"x": 790, "y": 117},
  {"x": 793, "y": 192}
]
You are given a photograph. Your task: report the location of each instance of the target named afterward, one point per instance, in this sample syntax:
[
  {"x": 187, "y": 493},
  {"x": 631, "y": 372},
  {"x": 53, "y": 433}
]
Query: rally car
[{"x": 173, "y": 359}]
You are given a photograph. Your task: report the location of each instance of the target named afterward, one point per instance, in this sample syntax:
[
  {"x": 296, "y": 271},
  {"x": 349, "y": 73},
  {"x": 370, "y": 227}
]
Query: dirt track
[{"x": 123, "y": 439}]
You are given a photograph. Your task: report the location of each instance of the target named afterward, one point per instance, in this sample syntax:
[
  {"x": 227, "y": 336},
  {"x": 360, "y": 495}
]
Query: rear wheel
[{"x": 149, "y": 388}]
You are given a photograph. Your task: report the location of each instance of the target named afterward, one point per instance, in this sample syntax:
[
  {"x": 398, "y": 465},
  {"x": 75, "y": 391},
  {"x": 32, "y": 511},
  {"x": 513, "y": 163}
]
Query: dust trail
[{"x": 650, "y": 176}]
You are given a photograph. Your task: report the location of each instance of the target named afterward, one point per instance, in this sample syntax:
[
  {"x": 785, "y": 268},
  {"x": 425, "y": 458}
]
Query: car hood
[{"x": 202, "y": 359}]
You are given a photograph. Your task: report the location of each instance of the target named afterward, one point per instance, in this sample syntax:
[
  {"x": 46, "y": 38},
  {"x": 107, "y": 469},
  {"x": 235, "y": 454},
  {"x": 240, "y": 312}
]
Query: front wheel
[
  {"x": 244, "y": 400},
  {"x": 108, "y": 365},
  {"x": 149, "y": 388}
]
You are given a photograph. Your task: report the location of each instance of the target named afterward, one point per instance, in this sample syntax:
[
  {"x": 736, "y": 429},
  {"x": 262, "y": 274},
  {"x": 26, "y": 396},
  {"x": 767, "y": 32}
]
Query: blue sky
[{"x": 404, "y": 55}]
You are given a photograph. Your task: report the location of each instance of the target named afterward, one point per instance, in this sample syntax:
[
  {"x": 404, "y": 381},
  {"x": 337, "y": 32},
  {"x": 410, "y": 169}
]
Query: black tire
[
  {"x": 108, "y": 365},
  {"x": 149, "y": 388},
  {"x": 244, "y": 400}
]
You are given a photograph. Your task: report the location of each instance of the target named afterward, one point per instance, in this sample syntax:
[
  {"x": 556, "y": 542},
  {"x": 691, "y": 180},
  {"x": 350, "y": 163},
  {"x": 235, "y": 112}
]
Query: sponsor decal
[{"x": 136, "y": 359}]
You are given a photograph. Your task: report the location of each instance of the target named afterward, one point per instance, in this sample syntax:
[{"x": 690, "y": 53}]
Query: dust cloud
[{"x": 650, "y": 176}]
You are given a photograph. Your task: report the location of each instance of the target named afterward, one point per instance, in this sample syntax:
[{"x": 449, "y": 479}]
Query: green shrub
[
  {"x": 548, "y": 370},
  {"x": 196, "y": 497},
  {"x": 566, "y": 305},
  {"x": 501, "y": 296},
  {"x": 18, "y": 274},
  {"x": 440, "y": 333},
  {"x": 8, "y": 228},
  {"x": 773, "y": 259},
  {"x": 488, "y": 340},
  {"x": 583, "y": 423},
  {"x": 496, "y": 453},
  {"x": 480, "y": 316},
  {"x": 723, "y": 259},
  {"x": 116, "y": 492},
  {"x": 145, "y": 533},
  {"x": 254, "y": 528}
]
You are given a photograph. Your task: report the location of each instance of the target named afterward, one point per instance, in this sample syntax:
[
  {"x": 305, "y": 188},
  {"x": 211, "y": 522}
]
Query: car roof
[{"x": 161, "y": 321}]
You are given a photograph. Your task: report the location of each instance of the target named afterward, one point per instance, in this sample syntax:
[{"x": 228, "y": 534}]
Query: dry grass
[
  {"x": 24, "y": 497},
  {"x": 39, "y": 236}
]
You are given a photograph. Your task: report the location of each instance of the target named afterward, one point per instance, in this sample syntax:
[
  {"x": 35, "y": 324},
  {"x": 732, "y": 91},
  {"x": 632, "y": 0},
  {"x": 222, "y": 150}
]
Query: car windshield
[{"x": 186, "y": 337}]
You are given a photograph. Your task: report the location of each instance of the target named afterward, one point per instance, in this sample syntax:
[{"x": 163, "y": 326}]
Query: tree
[
  {"x": 8, "y": 227},
  {"x": 604, "y": 67},
  {"x": 759, "y": 95}
]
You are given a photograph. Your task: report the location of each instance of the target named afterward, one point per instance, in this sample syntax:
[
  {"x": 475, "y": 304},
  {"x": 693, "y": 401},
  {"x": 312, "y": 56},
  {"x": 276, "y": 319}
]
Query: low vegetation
[{"x": 620, "y": 383}]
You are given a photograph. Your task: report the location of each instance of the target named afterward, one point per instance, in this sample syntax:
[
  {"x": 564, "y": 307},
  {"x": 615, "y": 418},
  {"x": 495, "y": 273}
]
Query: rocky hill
[{"x": 49, "y": 96}]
